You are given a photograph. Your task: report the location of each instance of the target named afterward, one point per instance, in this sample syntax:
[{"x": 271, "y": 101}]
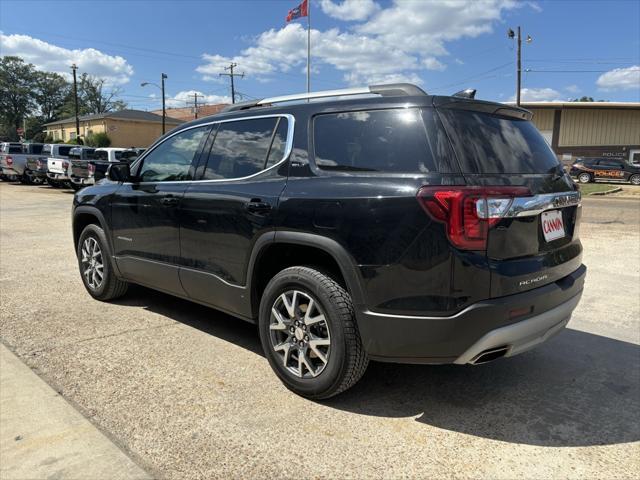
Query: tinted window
[
  {"x": 240, "y": 148},
  {"x": 381, "y": 141},
  {"x": 127, "y": 156},
  {"x": 172, "y": 158},
  {"x": 279, "y": 144},
  {"x": 35, "y": 149},
  {"x": 64, "y": 151},
  {"x": 487, "y": 143},
  {"x": 609, "y": 163},
  {"x": 100, "y": 155},
  {"x": 46, "y": 150},
  {"x": 15, "y": 149}
]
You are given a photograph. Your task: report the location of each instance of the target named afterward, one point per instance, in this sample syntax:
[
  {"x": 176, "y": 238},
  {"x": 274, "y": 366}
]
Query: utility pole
[
  {"x": 195, "y": 104},
  {"x": 519, "y": 68},
  {"x": 511, "y": 34},
  {"x": 231, "y": 75},
  {"x": 164, "y": 111},
  {"x": 75, "y": 94}
]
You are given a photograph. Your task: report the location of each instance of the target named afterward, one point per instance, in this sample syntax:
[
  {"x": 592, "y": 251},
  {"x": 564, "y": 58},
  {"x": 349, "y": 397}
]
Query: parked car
[
  {"x": 14, "y": 157},
  {"x": 7, "y": 151},
  {"x": 58, "y": 163},
  {"x": 85, "y": 173},
  {"x": 394, "y": 226},
  {"x": 79, "y": 158},
  {"x": 588, "y": 170}
]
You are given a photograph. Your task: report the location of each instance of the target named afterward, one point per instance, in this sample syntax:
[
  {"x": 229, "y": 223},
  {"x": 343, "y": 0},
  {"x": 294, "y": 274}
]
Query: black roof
[{"x": 120, "y": 115}]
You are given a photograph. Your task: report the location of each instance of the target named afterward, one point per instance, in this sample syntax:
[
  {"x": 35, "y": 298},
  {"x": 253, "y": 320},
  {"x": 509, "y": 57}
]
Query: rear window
[
  {"x": 486, "y": 143},
  {"x": 100, "y": 155},
  {"x": 64, "y": 151},
  {"x": 46, "y": 150},
  {"x": 15, "y": 149},
  {"x": 399, "y": 140}
]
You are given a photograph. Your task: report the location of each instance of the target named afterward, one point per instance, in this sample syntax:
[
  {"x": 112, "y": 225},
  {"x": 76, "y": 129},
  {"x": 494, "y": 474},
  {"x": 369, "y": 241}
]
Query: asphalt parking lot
[{"x": 186, "y": 391}]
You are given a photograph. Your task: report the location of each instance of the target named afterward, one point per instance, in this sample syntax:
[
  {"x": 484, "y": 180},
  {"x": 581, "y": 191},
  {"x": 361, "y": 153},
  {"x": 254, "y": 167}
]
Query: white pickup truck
[{"x": 57, "y": 163}]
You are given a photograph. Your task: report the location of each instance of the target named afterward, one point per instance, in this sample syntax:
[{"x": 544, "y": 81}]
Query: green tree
[
  {"x": 51, "y": 93},
  {"x": 17, "y": 80},
  {"x": 95, "y": 99}
]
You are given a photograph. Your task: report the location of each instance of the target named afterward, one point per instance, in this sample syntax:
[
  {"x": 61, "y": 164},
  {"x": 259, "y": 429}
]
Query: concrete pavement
[{"x": 43, "y": 437}]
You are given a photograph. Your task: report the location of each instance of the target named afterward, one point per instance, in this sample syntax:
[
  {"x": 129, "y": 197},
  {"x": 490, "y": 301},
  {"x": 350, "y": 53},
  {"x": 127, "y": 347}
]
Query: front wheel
[
  {"x": 635, "y": 179},
  {"x": 584, "y": 178},
  {"x": 94, "y": 262},
  {"x": 309, "y": 333}
]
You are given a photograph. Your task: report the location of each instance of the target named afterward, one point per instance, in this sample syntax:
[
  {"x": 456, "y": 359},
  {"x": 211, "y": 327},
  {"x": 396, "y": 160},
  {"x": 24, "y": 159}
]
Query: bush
[
  {"x": 75, "y": 141},
  {"x": 99, "y": 140},
  {"x": 48, "y": 139}
]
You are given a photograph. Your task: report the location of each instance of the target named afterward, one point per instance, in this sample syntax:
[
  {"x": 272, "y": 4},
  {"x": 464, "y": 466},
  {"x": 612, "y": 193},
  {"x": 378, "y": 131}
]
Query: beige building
[
  {"x": 187, "y": 113},
  {"x": 125, "y": 128},
  {"x": 589, "y": 129}
]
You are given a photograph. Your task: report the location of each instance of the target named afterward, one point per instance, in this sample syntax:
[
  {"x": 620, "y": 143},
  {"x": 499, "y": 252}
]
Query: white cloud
[
  {"x": 399, "y": 42},
  {"x": 538, "y": 95},
  {"x": 349, "y": 9},
  {"x": 572, "y": 89},
  {"x": 620, "y": 79},
  {"x": 48, "y": 57},
  {"x": 185, "y": 98}
]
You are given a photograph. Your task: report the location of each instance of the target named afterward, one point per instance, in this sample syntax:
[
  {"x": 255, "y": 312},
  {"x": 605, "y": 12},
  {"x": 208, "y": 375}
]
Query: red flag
[{"x": 300, "y": 11}]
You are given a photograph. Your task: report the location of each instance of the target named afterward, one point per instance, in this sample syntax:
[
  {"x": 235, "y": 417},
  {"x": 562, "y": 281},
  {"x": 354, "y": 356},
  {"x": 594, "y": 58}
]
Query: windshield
[{"x": 488, "y": 143}]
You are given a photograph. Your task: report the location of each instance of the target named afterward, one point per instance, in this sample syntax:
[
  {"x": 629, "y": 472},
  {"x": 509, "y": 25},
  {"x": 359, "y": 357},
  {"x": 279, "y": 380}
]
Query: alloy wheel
[
  {"x": 92, "y": 263},
  {"x": 299, "y": 334}
]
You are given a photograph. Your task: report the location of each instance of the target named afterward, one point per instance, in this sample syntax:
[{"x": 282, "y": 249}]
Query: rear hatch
[
  {"x": 532, "y": 207},
  {"x": 80, "y": 168}
]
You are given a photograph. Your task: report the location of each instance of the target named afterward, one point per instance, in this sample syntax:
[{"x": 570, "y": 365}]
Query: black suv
[
  {"x": 394, "y": 226},
  {"x": 588, "y": 170}
]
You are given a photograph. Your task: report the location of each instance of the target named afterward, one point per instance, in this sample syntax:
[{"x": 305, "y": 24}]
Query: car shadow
[{"x": 578, "y": 389}]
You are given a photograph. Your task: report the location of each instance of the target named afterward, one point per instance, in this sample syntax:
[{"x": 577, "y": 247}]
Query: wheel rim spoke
[
  {"x": 299, "y": 334},
  {"x": 92, "y": 265}
]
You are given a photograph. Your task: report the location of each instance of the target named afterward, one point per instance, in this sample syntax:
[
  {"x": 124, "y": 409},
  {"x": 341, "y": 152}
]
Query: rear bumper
[
  {"x": 9, "y": 171},
  {"x": 57, "y": 176},
  {"x": 82, "y": 180},
  {"x": 488, "y": 325}
]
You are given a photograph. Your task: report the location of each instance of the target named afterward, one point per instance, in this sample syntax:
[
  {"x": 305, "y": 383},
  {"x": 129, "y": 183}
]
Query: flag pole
[{"x": 308, "y": 46}]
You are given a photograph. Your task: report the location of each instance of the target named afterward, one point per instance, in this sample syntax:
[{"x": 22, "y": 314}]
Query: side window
[
  {"x": 378, "y": 141},
  {"x": 240, "y": 148},
  {"x": 610, "y": 164},
  {"x": 170, "y": 161}
]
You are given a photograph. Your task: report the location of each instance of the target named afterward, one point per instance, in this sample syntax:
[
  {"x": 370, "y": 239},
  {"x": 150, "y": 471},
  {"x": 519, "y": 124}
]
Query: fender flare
[
  {"x": 345, "y": 262},
  {"x": 87, "y": 209}
]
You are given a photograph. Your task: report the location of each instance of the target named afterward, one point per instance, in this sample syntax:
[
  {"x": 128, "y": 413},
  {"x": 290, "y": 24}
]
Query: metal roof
[{"x": 139, "y": 115}]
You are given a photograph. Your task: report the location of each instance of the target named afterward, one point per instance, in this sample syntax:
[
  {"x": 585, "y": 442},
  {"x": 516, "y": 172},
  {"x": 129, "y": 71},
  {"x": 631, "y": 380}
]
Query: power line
[{"x": 472, "y": 77}]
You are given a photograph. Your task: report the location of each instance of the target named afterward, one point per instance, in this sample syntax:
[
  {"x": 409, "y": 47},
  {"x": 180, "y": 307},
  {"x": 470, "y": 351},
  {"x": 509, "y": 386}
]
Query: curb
[{"x": 607, "y": 192}]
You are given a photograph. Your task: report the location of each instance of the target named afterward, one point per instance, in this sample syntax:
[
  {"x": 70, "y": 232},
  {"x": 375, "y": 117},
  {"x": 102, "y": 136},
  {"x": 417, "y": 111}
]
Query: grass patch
[{"x": 589, "y": 188}]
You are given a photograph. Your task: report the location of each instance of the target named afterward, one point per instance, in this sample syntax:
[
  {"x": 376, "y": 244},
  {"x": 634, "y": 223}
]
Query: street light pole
[
  {"x": 519, "y": 68},
  {"x": 164, "y": 111}
]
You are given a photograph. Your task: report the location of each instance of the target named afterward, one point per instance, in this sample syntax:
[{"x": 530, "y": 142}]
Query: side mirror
[{"x": 119, "y": 172}]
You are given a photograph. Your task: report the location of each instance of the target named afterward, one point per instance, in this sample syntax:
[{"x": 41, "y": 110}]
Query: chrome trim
[
  {"x": 180, "y": 267},
  {"x": 321, "y": 94},
  {"x": 524, "y": 335},
  {"x": 287, "y": 151},
  {"x": 535, "y": 205}
]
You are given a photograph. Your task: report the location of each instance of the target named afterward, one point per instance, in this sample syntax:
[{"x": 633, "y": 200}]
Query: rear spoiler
[{"x": 460, "y": 103}]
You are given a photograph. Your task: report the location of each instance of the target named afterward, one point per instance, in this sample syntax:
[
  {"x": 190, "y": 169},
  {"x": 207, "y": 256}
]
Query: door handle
[
  {"x": 257, "y": 206},
  {"x": 169, "y": 201}
]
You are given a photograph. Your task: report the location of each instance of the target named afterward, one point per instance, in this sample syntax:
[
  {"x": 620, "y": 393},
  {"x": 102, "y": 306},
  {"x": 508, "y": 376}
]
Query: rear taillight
[
  {"x": 9, "y": 160},
  {"x": 91, "y": 168},
  {"x": 469, "y": 212},
  {"x": 65, "y": 164},
  {"x": 39, "y": 164}
]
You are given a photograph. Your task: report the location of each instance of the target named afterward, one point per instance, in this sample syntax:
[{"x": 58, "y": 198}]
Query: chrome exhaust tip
[{"x": 490, "y": 355}]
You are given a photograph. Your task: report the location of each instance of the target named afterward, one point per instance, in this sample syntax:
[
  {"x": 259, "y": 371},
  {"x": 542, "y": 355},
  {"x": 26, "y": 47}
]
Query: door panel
[
  {"x": 145, "y": 212},
  {"x": 220, "y": 220}
]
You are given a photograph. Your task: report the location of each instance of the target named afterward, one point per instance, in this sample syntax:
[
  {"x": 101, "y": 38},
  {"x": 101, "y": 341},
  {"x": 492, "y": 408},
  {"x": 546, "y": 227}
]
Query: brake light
[
  {"x": 91, "y": 168},
  {"x": 9, "y": 160},
  {"x": 469, "y": 212},
  {"x": 39, "y": 164},
  {"x": 65, "y": 164}
]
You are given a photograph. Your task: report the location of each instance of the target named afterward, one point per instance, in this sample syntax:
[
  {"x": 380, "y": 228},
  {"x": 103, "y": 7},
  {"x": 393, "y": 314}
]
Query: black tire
[
  {"x": 53, "y": 183},
  {"x": 111, "y": 287},
  {"x": 635, "y": 179},
  {"x": 75, "y": 186},
  {"x": 585, "y": 178},
  {"x": 347, "y": 359}
]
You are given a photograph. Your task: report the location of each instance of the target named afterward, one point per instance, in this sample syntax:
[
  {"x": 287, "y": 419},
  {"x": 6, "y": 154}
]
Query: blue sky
[{"x": 579, "y": 47}]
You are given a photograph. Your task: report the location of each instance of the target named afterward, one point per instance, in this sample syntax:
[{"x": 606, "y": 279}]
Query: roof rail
[{"x": 389, "y": 90}]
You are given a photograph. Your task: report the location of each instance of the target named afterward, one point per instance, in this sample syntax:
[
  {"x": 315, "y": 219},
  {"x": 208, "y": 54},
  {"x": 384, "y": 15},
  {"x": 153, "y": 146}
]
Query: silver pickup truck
[
  {"x": 58, "y": 163},
  {"x": 14, "y": 158}
]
